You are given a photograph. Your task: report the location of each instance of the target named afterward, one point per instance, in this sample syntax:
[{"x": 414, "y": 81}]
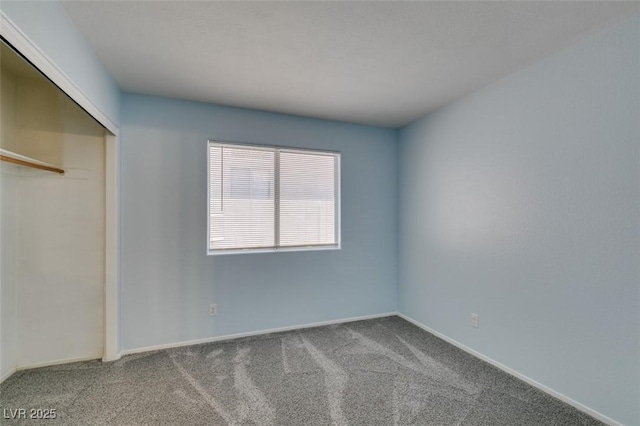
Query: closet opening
[{"x": 53, "y": 230}]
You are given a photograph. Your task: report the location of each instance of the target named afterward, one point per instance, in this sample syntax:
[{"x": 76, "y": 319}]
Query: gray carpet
[{"x": 376, "y": 372}]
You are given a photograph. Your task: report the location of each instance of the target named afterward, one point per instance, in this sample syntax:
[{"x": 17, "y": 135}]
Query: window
[{"x": 265, "y": 198}]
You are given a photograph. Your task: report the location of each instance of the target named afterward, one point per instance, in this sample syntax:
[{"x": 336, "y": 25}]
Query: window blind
[
  {"x": 271, "y": 198},
  {"x": 241, "y": 198},
  {"x": 307, "y": 199}
]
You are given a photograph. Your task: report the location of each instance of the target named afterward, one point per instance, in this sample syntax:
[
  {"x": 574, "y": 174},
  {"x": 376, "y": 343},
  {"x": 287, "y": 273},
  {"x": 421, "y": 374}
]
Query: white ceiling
[{"x": 379, "y": 63}]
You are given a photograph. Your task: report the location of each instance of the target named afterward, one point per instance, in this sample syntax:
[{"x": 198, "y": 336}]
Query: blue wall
[
  {"x": 48, "y": 25},
  {"x": 168, "y": 281},
  {"x": 521, "y": 203}
]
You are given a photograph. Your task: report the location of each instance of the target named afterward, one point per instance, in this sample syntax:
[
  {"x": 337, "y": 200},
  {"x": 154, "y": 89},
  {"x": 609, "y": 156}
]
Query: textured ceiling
[{"x": 379, "y": 63}]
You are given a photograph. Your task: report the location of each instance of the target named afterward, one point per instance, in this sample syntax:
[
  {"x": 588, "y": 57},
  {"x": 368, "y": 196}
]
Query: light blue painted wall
[
  {"x": 48, "y": 25},
  {"x": 168, "y": 281},
  {"x": 521, "y": 203}
]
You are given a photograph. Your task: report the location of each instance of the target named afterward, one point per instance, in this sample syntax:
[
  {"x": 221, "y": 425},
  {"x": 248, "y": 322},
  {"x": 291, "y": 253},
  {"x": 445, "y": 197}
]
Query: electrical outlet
[
  {"x": 213, "y": 310},
  {"x": 475, "y": 320}
]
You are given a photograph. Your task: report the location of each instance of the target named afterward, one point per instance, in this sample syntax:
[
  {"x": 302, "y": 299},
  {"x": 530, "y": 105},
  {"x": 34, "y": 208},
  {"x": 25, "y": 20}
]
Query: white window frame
[{"x": 276, "y": 149}]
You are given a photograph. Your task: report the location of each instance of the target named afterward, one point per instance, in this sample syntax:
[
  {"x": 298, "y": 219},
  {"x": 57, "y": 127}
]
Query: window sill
[{"x": 272, "y": 250}]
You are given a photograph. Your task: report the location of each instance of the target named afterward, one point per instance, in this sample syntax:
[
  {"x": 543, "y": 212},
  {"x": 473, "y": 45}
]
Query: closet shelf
[{"x": 23, "y": 160}]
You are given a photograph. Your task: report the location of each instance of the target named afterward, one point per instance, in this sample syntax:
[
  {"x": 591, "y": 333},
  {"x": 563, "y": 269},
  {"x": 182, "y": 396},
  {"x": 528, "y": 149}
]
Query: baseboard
[
  {"x": 8, "y": 374},
  {"x": 253, "y": 333},
  {"x": 112, "y": 358},
  {"x": 58, "y": 362},
  {"x": 546, "y": 389}
]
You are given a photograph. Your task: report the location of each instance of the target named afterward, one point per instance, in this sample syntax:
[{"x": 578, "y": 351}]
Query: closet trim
[{"x": 27, "y": 48}]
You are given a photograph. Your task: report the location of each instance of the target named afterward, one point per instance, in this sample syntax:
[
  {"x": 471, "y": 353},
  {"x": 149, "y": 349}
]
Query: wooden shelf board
[{"x": 23, "y": 160}]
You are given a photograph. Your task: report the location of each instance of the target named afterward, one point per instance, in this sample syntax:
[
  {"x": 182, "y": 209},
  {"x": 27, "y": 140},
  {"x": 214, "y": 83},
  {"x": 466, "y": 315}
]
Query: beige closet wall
[
  {"x": 8, "y": 224},
  {"x": 58, "y": 261},
  {"x": 8, "y": 267}
]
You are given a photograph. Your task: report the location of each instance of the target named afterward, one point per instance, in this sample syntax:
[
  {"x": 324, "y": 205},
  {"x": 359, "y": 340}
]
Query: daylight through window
[{"x": 268, "y": 198}]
